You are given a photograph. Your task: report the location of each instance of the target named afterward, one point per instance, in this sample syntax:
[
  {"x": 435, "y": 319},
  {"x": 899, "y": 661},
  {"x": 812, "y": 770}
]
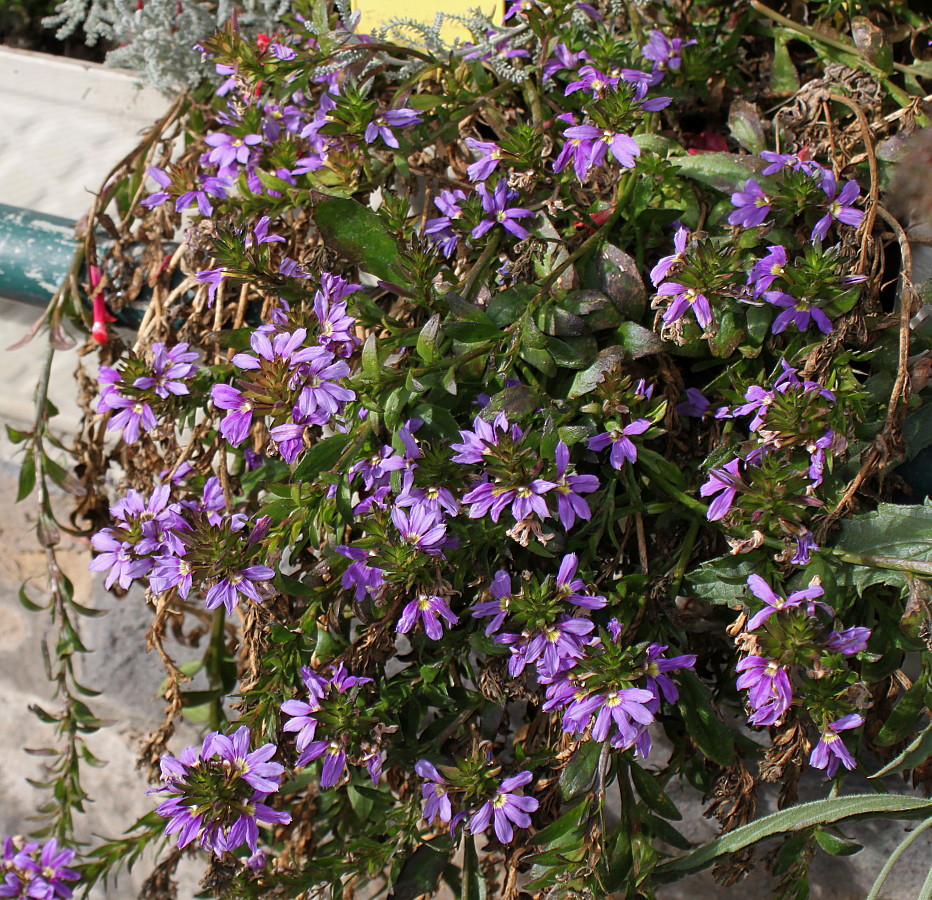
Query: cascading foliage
[{"x": 500, "y": 423}]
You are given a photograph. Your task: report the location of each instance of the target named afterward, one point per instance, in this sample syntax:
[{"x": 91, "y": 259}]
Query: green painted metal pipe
[{"x": 36, "y": 251}]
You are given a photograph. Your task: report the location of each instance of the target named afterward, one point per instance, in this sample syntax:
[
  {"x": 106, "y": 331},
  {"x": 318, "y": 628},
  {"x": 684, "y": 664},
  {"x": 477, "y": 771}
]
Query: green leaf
[
  {"x": 420, "y": 872},
  {"x": 566, "y": 355},
  {"x": 371, "y": 367},
  {"x": 638, "y": 341},
  {"x": 758, "y": 323},
  {"x": 359, "y": 236},
  {"x": 15, "y": 435},
  {"x": 428, "y": 339},
  {"x": 24, "y": 599},
  {"x": 837, "y": 846},
  {"x": 617, "y": 276},
  {"x": 322, "y": 456},
  {"x": 893, "y": 537},
  {"x": 662, "y": 829},
  {"x": 797, "y": 818},
  {"x": 652, "y": 793},
  {"x": 472, "y": 332},
  {"x": 473, "y": 882},
  {"x": 593, "y": 310},
  {"x": 586, "y": 380},
  {"x": 466, "y": 311},
  {"x": 27, "y": 478},
  {"x": 745, "y": 125},
  {"x": 723, "y": 580},
  {"x": 725, "y": 172},
  {"x": 915, "y": 754},
  {"x": 711, "y": 734},
  {"x": 577, "y": 776},
  {"x": 783, "y": 77},
  {"x": 555, "y": 833},
  {"x": 439, "y": 420},
  {"x": 905, "y": 715}
]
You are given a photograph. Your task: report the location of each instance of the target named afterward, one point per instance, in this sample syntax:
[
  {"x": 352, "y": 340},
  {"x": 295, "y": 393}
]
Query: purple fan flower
[
  {"x": 563, "y": 58},
  {"x": 305, "y": 720},
  {"x": 237, "y": 422},
  {"x": 478, "y": 442},
  {"x": 777, "y": 161},
  {"x": 695, "y": 405},
  {"x": 229, "y": 150},
  {"x": 800, "y": 312},
  {"x": 436, "y": 798},
  {"x": 429, "y": 608},
  {"x": 623, "y": 448},
  {"x": 359, "y": 576},
  {"x": 768, "y": 686},
  {"x": 623, "y": 708},
  {"x": 753, "y": 205},
  {"x": 839, "y": 208},
  {"x": 506, "y": 809},
  {"x": 726, "y": 482},
  {"x": 490, "y": 155},
  {"x": 552, "y": 645},
  {"x": 831, "y": 751},
  {"x": 117, "y": 559},
  {"x": 168, "y": 368},
  {"x": 335, "y": 328},
  {"x": 493, "y": 499},
  {"x": 227, "y": 591},
  {"x": 34, "y": 872},
  {"x": 421, "y": 527},
  {"x": 260, "y": 234},
  {"x": 383, "y": 124},
  {"x": 624, "y": 148},
  {"x": 163, "y": 180},
  {"x": 134, "y": 415},
  {"x": 767, "y": 270},
  {"x": 774, "y": 602},
  {"x": 575, "y": 149},
  {"x": 664, "y": 53},
  {"x": 218, "y": 792},
  {"x": 848, "y": 642},
  {"x": 656, "y": 667},
  {"x": 593, "y": 82},
  {"x": 499, "y": 211},
  {"x": 497, "y": 608},
  {"x": 570, "y": 504},
  {"x": 805, "y": 544},
  {"x": 440, "y": 229},
  {"x": 685, "y": 298},
  {"x": 321, "y": 396},
  {"x": 211, "y": 185},
  {"x": 568, "y": 586},
  {"x": 666, "y": 263},
  {"x": 169, "y": 572}
]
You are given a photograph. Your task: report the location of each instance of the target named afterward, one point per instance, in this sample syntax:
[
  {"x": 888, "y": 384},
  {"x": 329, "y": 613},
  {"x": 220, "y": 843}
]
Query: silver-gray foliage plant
[{"x": 157, "y": 39}]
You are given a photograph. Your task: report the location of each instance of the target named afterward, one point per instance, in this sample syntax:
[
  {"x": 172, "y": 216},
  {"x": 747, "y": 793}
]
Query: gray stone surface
[{"x": 65, "y": 123}]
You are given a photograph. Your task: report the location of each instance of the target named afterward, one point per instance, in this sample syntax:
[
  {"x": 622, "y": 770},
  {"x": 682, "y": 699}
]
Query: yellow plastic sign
[{"x": 378, "y": 13}]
